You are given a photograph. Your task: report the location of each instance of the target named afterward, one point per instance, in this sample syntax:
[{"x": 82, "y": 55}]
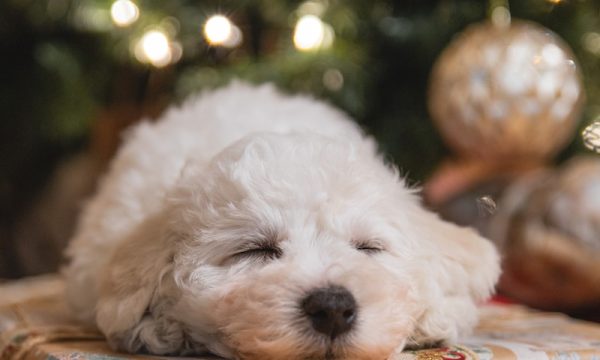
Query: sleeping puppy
[{"x": 255, "y": 225}]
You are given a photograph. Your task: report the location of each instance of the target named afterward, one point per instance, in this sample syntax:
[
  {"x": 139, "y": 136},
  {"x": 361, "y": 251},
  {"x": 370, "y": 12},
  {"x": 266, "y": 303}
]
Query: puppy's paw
[
  {"x": 150, "y": 335},
  {"x": 444, "y": 322}
]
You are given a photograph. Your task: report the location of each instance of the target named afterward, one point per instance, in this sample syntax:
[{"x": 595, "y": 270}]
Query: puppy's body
[{"x": 216, "y": 224}]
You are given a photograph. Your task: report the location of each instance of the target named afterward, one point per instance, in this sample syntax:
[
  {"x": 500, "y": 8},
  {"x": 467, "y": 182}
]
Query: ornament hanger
[{"x": 499, "y": 13}]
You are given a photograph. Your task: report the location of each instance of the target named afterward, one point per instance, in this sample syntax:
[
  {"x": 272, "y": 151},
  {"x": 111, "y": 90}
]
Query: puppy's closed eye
[
  {"x": 369, "y": 246},
  {"x": 258, "y": 251}
]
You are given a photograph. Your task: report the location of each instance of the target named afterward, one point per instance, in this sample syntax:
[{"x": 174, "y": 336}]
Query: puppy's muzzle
[{"x": 331, "y": 310}]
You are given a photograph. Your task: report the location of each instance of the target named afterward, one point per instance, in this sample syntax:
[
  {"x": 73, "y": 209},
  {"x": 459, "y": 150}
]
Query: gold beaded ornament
[
  {"x": 506, "y": 92},
  {"x": 591, "y": 136}
]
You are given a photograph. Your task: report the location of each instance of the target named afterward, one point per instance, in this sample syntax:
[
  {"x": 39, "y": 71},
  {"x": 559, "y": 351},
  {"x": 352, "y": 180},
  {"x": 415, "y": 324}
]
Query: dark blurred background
[{"x": 74, "y": 74}]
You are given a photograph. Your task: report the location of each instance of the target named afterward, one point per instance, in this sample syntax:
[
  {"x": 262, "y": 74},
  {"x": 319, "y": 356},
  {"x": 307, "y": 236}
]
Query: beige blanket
[{"x": 35, "y": 325}]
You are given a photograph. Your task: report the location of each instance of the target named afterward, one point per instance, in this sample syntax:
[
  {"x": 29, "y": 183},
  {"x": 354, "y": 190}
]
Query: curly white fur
[{"x": 156, "y": 259}]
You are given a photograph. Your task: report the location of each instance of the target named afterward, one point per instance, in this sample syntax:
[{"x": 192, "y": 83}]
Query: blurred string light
[
  {"x": 217, "y": 29},
  {"x": 311, "y": 8},
  {"x": 220, "y": 31},
  {"x": 170, "y": 25},
  {"x": 333, "y": 79},
  {"x": 591, "y": 42},
  {"x": 124, "y": 12},
  {"x": 89, "y": 16},
  {"x": 157, "y": 49},
  {"x": 312, "y": 34}
]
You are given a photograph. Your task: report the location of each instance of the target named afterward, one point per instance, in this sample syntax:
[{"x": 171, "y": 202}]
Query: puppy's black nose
[{"x": 332, "y": 310}]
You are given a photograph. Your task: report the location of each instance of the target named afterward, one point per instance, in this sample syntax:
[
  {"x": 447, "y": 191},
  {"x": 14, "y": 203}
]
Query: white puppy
[{"x": 260, "y": 226}]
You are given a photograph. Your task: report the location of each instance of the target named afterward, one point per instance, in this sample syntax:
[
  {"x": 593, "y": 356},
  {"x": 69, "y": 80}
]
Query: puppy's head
[{"x": 294, "y": 246}]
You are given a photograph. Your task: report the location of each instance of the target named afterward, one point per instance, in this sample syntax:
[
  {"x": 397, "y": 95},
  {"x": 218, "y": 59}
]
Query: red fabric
[{"x": 500, "y": 300}]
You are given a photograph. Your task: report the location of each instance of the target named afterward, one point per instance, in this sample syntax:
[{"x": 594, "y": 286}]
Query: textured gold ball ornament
[
  {"x": 501, "y": 93},
  {"x": 548, "y": 229},
  {"x": 591, "y": 136}
]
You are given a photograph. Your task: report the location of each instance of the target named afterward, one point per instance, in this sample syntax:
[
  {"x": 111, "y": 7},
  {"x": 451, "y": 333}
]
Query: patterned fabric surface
[{"x": 35, "y": 325}]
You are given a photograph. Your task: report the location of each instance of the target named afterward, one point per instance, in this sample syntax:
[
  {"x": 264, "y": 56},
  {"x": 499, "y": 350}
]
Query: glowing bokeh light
[
  {"x": 591, "y": 42},
  {"x": 311, "y": 34},
  {"x": 333, "y": 79},
  {"x": 218, "y": 29},
  {"x": 154, "y": 48},
  {"x": 91, "y": 17},
  {"x": 124, "y": 12},
  {"x": 310, "y": 7},
  {"x": 235, "y": 37}
]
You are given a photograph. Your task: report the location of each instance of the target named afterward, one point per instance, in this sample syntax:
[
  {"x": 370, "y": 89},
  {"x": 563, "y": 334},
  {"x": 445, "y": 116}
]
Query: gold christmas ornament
[
  {"x": 591, "y": 136},
  {"x": 501, "y": 93},
  {"x": 548, "y": 229}
]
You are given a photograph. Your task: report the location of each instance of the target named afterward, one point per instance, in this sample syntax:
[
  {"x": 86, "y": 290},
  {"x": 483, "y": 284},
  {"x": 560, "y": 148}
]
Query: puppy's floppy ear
[
  {"x": 131, "y": 309},
  {"x": 460, "y": 269}
]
